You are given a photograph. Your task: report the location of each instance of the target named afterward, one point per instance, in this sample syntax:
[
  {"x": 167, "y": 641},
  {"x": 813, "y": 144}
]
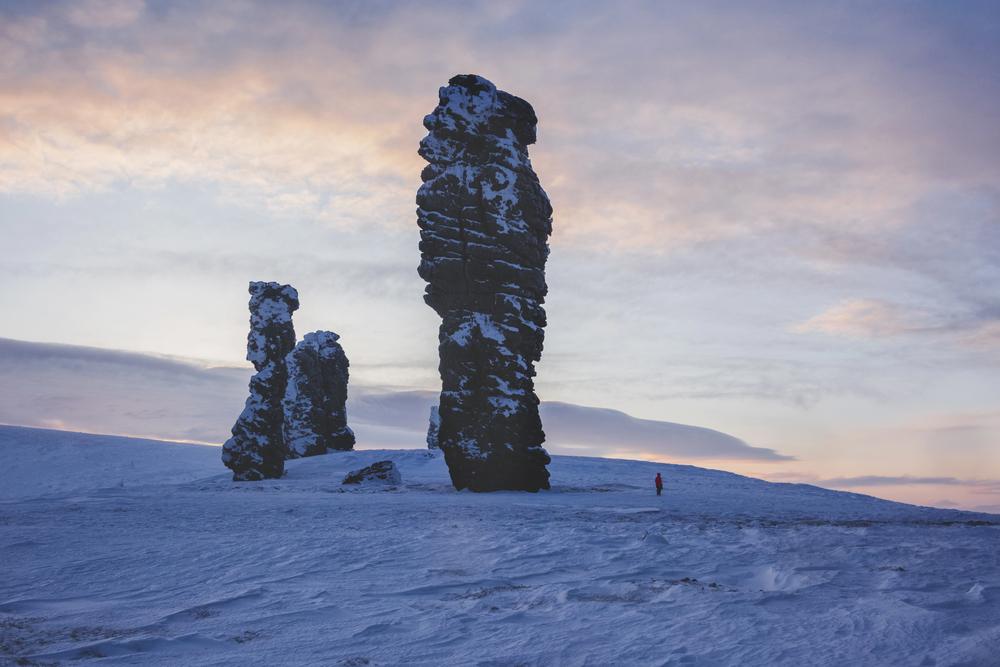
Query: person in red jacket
[{"x": 659, "y": 484}]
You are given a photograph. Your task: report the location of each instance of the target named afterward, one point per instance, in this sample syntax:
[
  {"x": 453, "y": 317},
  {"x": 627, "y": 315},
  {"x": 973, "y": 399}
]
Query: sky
[{"x": 777, "y": 220}]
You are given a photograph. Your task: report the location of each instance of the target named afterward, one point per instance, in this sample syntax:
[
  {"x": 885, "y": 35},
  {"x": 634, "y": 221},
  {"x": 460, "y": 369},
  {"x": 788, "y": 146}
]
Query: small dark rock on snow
[{"x": 383, "y": 472}]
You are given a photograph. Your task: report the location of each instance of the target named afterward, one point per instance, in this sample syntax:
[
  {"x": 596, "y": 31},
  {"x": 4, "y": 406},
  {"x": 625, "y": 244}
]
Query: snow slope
[
  {"x": 42, "y": 462},
  {"x": 104, "y": 563}
]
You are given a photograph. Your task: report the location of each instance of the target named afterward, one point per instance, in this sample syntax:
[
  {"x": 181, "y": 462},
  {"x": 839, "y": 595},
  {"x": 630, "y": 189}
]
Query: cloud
[
  {"x": 718, "y": 172},
  {"x": 990, "y": 509},
  {"x": 877, "y": 319},
  {"x": 83, "y": 112},
  {"x": 744, "y": 144},
  {"x": 906, "y": 480},
  {"x": 928, "y": 279},
  {"x": 864, "y": 318},
  {"x": 115, "y": 392},
  {"x": 595, "y": 431},
  {"x": 368, "y": 275},
  {"x": 984, "y": 337},
  {"x": 97, "y": 390},
  {"x": 104, "y": 13},
  {"x": 729, "y": 123},
  {"x": 923, "y": 489}
]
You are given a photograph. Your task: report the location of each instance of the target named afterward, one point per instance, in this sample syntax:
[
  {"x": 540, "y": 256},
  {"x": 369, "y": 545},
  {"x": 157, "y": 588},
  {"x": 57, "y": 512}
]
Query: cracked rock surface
[
  {"x": 256, "y": 449},
  {"x": 315, "y": 413},
  {"x": 484, "y": 226}
]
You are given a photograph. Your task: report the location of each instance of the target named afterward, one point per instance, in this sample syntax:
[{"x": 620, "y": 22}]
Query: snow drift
[{"x": 106, "y": 559}]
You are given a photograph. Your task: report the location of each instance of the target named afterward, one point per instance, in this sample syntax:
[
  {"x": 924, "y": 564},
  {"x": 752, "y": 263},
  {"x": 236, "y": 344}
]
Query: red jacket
[{"x": 659, "y": 481}]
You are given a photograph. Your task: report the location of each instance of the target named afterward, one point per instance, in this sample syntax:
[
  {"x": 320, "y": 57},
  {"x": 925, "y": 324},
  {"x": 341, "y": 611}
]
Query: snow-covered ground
[{"x": 139, "y": 552}]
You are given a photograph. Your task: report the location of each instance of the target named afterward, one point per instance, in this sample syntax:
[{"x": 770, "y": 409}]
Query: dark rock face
[
  {"x": 315, "y": 397},
  {"x": 484, "y": 224},
  {"x": 381, "y": 472},
  {"x": 256, "y": 450}
]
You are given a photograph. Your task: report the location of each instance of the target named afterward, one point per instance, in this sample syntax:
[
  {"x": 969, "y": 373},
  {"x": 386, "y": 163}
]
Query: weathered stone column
[
  {"x": 484, "y": 224},
  {"x": 256, "y": 450},
  {"x": 316, "y": 396}
]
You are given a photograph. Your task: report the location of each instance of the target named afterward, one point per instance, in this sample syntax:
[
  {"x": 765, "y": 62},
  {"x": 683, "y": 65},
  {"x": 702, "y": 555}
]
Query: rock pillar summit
[{"x": 484, "y": 225}]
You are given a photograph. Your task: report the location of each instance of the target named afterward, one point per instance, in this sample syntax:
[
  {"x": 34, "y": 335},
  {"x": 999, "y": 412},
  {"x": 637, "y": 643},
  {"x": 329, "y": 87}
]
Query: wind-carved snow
[{"x": 105, "y": 562}]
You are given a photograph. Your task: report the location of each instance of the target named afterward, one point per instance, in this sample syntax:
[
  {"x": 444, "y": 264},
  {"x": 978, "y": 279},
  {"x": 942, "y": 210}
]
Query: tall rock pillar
[
  {"x": 257, "y": 450},
  {"x": 484, "y": 224}
]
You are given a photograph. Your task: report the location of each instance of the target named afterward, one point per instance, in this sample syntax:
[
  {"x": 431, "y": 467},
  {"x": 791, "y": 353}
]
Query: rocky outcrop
[
  {"x": 315, "y": 414},
  {"x": 380, "y": 472},
  {"x": 484, "y": 224},
  {"x": 256, "y": 450},
  {"x": 433, "y": 427}
]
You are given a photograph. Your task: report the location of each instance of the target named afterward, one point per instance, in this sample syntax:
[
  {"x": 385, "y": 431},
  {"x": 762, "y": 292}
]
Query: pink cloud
[
  {"x": 861, "y": 318},
  {"x": 708, "y": 136},
  {"x": 104, "y": 13}
]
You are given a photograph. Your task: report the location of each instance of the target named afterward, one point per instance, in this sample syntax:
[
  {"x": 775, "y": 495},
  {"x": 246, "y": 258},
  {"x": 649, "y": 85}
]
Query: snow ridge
[{"x": 129, "y": 551}]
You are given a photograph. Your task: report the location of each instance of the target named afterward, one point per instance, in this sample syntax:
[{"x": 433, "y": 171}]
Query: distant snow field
[{"x": 124, "y": 551}]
